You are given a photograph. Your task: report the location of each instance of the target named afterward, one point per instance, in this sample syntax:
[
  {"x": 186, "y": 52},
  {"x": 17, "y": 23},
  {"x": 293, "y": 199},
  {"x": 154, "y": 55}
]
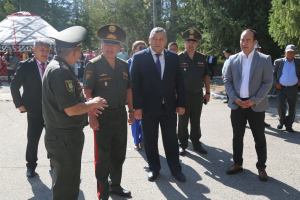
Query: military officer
[
  {"x": 195, "y": 72},
  {"x": 65, "y": 113},
  {"x": 109, "y": 77}
]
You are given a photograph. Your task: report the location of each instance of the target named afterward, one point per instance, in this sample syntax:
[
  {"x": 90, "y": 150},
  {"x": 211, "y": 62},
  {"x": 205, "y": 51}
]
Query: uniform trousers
[
  {"x": 167, "y": 123},
  {"x": 34, "y": 131},
  {"x": 64, "y": 148},
  {"x": 137, "y": 132},
  {"x": 110, "y": 150},
  {"x": 291, "y": 95},
  {"x": 211, "y": 69},
  {"x": 239, "y": 118},
  {"x": 9, "y": 73},
  {"x": 193, "y": 111}
]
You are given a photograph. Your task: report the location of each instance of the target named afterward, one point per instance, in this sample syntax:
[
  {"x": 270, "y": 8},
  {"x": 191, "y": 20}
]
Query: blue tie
[{"x": 158, "y": 64}]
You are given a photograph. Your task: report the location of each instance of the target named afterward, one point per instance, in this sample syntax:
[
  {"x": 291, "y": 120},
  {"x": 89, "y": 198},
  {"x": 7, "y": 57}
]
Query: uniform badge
[
  {"x": 105, "y": 83},
  {"x": 191, "y": 36},
  {"x": 103, "y": 75},
  {"x": 112, "y": 29},
  {"x": 192, "y": 31},
  {"x": 88, "y": 74},
  {"x": 63, "y": 65},
  {"x": 70, "y": 86},
  {"x": 125, "y": 74}
]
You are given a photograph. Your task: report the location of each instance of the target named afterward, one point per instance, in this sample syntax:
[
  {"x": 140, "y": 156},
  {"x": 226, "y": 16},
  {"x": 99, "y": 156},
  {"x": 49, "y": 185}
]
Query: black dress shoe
[
  {"x": 121, "y": 192},
  {"x": 152, "y": 175},
  {"x": 200, "y": 149},
  {"x": 267, "y": 125},
  {"x": 289, "y": 129},
  {"x": 225, "y": 101},
  {"x": 280, "y": 126},
  {"x": 30, "y": 173},
  {"x": 181, "y": 151},
  {"x": 179, "y": 176}
]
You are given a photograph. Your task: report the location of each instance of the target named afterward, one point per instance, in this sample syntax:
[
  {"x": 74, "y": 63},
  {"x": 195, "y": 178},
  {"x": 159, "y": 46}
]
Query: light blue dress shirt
[{"x": 288, "y": 76}]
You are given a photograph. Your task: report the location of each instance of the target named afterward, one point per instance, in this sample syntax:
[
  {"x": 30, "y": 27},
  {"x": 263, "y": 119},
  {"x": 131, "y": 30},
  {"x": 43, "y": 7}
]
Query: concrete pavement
[{"x": 205, "y": 174}]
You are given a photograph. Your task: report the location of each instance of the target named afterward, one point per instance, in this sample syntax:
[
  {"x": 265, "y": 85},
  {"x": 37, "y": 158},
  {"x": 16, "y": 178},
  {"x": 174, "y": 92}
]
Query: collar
[
  {"x": 185, "y": 53},
  {"x": 39, "y": 61},
  {"x": 250, "y": 55},
  {"x": 105, "y": 62},
  {"x": 153, "y": 53},
  {"x": 61, "y": 60},
  {"x": 285, "y": 60}
]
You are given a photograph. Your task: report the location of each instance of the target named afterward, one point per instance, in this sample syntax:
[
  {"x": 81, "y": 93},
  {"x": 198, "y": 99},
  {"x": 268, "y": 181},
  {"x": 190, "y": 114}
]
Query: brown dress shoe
[
  {"x": 234, "y": 169},
  {"x": 262, "y": 174}
]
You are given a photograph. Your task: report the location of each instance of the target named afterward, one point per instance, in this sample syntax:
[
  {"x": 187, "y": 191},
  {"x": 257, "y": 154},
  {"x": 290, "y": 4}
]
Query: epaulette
[
  {"x": 95, "y": 59},
  {"x": 120, "y": 59},
  {"x": 180, "y": 53},
  {"x": 64, "y": 66},
  {"x": 201, "y": 53}
]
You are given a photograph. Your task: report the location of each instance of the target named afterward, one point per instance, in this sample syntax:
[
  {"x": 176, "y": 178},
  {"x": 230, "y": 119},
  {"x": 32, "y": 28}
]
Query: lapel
[
  {"x": 151, "y": 61},
  {"x": 167, "y": 58},
  {"x": 254, "y": 63},
  {"x": 280, "y": 67},
  {"x": 240, "y": 63},
  {"x": 297, "y": 65}
]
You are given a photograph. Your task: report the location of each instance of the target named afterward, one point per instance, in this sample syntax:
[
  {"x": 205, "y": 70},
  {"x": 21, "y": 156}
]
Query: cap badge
[
  {"x": 80, "y": 44},
  {"x": 191, "y": 36},
  {"x": 112, "y": 29},
  {"x": 111, "y": 36},
  {"x": 192, "y": 31}
]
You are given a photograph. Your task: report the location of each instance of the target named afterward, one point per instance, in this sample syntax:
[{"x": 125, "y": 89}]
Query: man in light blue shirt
[
  {"x": 286, "y": 79},
  {"x": 123, "y": 55}
]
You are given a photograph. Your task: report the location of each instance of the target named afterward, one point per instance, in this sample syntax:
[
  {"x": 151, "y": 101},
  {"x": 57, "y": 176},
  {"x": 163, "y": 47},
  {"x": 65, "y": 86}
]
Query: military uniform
[
  {"x": 193, "y": 73},
  {"x": 111, "y": 138},
  {"x": 64, "y": 137}
]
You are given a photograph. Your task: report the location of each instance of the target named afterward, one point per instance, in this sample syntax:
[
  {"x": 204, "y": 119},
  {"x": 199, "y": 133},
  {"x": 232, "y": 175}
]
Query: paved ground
[{"x": 206, "y": 177}]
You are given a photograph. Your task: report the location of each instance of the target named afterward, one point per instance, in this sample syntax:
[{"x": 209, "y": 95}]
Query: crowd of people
[{"x": 160, "y": 87}]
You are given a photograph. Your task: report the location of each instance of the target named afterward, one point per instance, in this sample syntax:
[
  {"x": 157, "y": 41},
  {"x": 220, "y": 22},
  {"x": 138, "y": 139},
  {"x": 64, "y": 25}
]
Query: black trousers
[
  {"x": 193, "y": 113},
  {"x": 239, "y": 118},
  {"x": 110, "y": 150},
  {"x": 291, "y": 95},
  {"x": 34, "y": 131},
  {"x": 150, "y": 126},
  {"x": 64, "y": 148},
  {"x": 9, "y": 73},
  {"x": 211, "y": 69}
]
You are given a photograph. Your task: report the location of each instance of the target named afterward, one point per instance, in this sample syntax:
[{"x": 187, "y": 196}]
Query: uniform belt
[{"x": 288, "y": 86}]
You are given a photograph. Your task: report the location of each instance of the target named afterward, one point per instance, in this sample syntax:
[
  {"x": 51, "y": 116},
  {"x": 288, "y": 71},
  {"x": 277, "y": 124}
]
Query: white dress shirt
[
  {"x": 246, "y": 66},
  {"x": 40, "y": 70},
  {"x": 161, "y": 59}
]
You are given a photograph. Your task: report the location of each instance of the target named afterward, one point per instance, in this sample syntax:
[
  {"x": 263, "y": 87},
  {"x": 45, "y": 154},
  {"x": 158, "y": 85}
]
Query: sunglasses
[{"x": 141, "y": 48}]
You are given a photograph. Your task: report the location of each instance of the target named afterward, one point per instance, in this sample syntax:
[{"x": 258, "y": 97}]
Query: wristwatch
[
  {"x": 131, "y": 111},
  {"x": 207, "y": 92}
]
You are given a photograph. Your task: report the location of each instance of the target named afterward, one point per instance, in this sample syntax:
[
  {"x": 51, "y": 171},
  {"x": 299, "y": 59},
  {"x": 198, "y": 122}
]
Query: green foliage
[{"x": 285, "y": 22}]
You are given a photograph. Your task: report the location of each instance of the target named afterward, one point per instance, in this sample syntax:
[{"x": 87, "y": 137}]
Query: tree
[{"x": 285, "y": 23}]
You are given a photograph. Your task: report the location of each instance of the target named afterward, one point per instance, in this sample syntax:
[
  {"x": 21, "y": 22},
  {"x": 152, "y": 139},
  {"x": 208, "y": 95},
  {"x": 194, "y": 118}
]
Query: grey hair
[
  {"x": 157, "y": 30},
  {"x": 42, "y": 42}
]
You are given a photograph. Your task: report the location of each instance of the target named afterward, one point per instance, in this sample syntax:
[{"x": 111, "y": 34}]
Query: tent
[{"x": 21, "y": 29}]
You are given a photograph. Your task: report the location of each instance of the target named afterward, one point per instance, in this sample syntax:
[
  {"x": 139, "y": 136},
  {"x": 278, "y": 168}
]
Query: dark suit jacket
[
  {"x": 148, "y": 90},
  {"x": 278, "y": 66},
  {"x": 28, "y": 75},
  {"x": 214, "y": 60}
]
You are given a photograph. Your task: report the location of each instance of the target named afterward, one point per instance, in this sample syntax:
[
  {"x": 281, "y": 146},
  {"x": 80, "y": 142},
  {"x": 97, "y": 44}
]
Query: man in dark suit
[
  {"x": 212, "y": 64},
  {"x": 248, "y": 79},
  {"x": 30, "y": 74},
  {"x": 286, "y": 80},
  {"x": 156, "y": 78}
]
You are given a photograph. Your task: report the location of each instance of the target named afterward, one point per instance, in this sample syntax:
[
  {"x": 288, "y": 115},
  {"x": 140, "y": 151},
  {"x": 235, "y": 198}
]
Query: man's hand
[
  {"x": 222, "y": 76},
  {"x": 93, "y": 121},
  {"x": 298, "y": 84},
  {"x": 240, "y": 103},
  {"x": 138, "y": 114},
  {"x": 249, "y": 103},
  {"x": 207, "y": 97},
  {"x": 100, "y": 102},
  {"x": 279, "y": 87},
  {"x": 22, "y": 109},
  {"x": 180, "y": 110},
  {"x": 131, "y": 118}
]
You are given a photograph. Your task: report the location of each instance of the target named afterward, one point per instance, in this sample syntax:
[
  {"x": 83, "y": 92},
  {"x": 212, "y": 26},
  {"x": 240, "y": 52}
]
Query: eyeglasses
[{"x": 141, "y": 48}]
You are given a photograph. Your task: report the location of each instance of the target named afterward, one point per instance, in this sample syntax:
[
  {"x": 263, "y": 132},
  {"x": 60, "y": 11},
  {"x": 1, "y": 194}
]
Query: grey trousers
[{"x": 291, "y": 95}]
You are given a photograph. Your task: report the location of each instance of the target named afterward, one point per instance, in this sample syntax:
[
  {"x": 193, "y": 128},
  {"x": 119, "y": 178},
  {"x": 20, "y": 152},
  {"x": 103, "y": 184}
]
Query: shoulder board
[
  {"x": 124, "y": 61},
  {"x": 95, "y": 59},
  {"x": 201, "y": 53},
  {"x": 180, "y": 53},
  {"x": 63, "y": 66}
]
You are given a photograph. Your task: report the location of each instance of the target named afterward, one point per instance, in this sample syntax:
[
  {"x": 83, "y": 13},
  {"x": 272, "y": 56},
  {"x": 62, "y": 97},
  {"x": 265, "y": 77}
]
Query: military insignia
[
  {"x": 70, "y": 86},
  {"x": 103, "y": 75},
  {"x": 111, "y": 36},
  {"x": 200, "y": 64},
  {"x": 105, "y": 79},
  {"x": 192, "y": 31},
  {"x": 112, "y": 29},
  {"x": 88, "y": 74},
  {"x": 185, "y": 69},
  {"x": 64, "y": 66},
  {"x": 125, "y": 74},
  {"x": 80, "y": 44},
  {"x": 191, "y": 36},
  {"x": 105, "y": 83}
]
